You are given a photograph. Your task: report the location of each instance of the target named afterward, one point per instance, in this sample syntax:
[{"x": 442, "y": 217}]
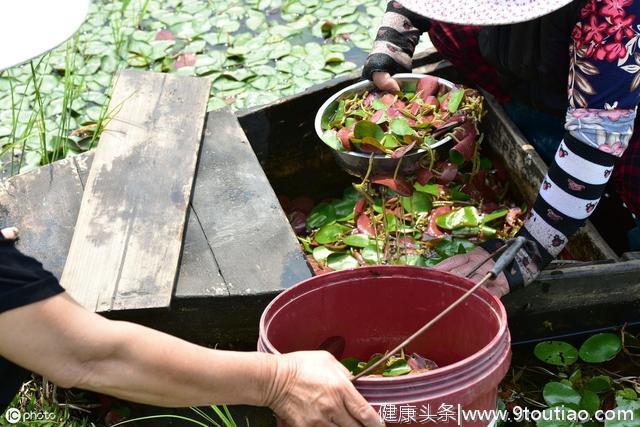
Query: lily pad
[
  {"x": 557, "y": 353},
  {"x": 557, "y": 393},
  {"x": 600, "y": 348}
]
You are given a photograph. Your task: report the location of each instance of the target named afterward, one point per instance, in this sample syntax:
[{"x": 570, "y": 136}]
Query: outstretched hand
[
  {"x": 313, "y": 389},
  {"x": 463, "y": 264},
  {"x": 384, "y": 81}
]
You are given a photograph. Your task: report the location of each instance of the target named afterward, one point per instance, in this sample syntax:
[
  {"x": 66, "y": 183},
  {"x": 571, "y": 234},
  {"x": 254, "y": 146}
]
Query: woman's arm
[
  {"x": 604, "y": 92},
  {"x": 394, "y": 46},
  {"x": 73, "y": 347}
]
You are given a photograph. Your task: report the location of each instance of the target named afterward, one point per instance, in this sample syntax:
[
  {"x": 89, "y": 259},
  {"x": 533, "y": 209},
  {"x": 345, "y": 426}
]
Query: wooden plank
[
  {"x": 199, "y": 275},
  {"x": 245, "y": 226},
  {"x": 128, "y": 238},
  {"x": 44, "y": 205}
]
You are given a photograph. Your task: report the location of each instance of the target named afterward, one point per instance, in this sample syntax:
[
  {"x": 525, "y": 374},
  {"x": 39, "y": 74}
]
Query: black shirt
[{"x": 22, "y": 281}]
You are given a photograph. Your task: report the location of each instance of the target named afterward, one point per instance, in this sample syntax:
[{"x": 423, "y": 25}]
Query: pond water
[{"x": 254, "y": 52}]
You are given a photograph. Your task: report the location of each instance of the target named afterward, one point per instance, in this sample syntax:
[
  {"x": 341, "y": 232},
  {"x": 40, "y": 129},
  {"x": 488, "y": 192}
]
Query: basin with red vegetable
[{"x": 391, "y": 133}]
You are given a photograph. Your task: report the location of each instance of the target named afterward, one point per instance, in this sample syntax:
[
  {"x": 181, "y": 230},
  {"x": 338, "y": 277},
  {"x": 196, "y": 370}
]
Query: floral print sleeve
[{"x": 604, "y": 91}]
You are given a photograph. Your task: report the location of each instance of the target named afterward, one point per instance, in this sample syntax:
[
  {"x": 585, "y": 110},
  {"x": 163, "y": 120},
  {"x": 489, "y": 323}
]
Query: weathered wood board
[
  {"x": 249, "y": 234},
  {"x": 128, "y": 238},
  {"x": 44, "y": 205}
]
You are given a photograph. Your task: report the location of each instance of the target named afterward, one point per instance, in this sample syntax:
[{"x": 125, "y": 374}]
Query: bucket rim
[{"x": 397, "y": 271}]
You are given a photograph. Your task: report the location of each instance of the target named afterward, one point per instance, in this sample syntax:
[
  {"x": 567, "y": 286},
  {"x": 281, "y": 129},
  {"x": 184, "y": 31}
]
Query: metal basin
[{"x": 356, "y": 163}]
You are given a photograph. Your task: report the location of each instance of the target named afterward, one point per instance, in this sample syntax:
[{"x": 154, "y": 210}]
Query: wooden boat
[{"x": 218, "y": 300}]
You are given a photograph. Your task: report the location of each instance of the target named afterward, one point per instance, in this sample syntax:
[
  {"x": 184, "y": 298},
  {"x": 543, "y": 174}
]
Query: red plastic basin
[{"x": 374, "y": 309}]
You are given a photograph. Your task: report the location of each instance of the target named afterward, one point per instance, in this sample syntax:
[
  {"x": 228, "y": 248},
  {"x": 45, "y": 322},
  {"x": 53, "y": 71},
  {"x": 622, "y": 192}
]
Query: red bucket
[{"x": 374, "y": 309}]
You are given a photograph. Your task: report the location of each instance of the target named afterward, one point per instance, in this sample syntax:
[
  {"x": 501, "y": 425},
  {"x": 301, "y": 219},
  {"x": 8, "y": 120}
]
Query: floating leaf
[
  {"x": 357, "y": 240},
  {"x": 625, "y": 414},
  {"x": 589, "y": 401},
  {"x": 598, "y": 384},
  {"x": 600, "y": 348},
  {"x": 557, "y": 353},
  {"x": 556, "y": 394},
  {"x": 341, "y": 261}
]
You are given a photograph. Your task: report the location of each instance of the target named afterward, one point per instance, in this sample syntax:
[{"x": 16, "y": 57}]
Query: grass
[{"x": 38, "y": 396}]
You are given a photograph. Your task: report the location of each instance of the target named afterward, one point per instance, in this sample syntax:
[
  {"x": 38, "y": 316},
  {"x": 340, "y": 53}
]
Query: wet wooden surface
[{"x": 128, "y": 237}]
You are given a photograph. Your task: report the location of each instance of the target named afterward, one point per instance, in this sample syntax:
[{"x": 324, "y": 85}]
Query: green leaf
[
  {"x": 590, "y": 401},
  {"x": 377, "y": 104},
  {"x": 341, "y": 261},
  {"x": 344, "y": 207},
  {"x": 499, "y": 213},
  {"x": 400, "y": 126},
  {"x": 330, "y": 137},
  {"x": 390, "y": 141},
  {"x": 450, "y": 247},
  {"x": 430, "y": 262},
  {"x": 412, "y": 259},
  {"x": 365, "y": 128},
  {"x": 464, "y": 217},
  {"x": 357, "y": 240},
  {"x": 455, "y": 100},
  {"x": 339, "y": 115},
  {"x": 321, "y": 253},
  {"x": 432, "y": 189},
  {"x": 556, "y": 394},
  {"x": 598, "y": 384},
  {"x": 627, "y": 393},
  {"x": 600, "y": 348},
  {"x": 397, "y": 368},
  {"x": 329, "y": 233},
  {"x": 627, "y": 414},
  {"x": 417, "y": 203},
  {"x": 322, "y": 214},
  {"x": 351, "y": 363},
  {"x": 557, "y": 353},
  {"x": 372, "y": 254}
]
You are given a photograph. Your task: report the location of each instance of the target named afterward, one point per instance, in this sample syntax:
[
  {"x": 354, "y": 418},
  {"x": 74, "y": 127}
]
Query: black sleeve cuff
[{"x": 381, "y": 62}]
